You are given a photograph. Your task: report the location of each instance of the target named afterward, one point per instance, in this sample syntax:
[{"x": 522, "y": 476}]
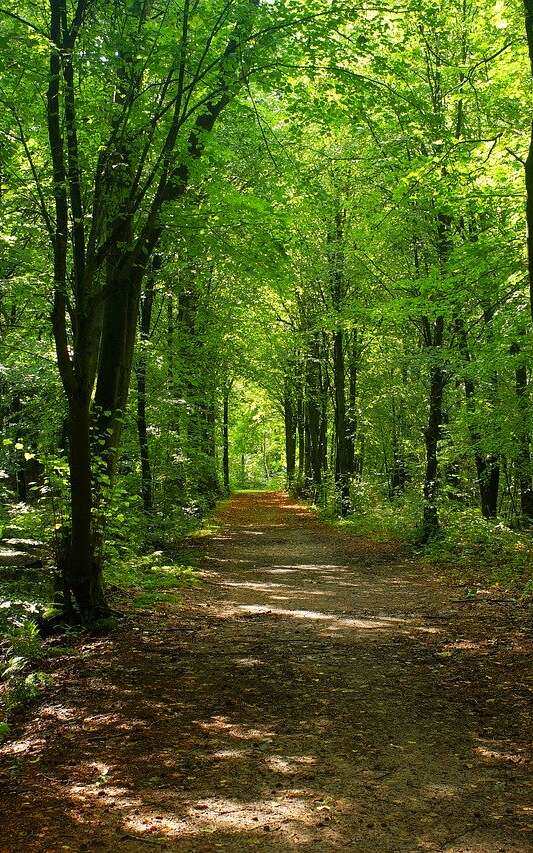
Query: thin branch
[{"x": 23, "y": 21}]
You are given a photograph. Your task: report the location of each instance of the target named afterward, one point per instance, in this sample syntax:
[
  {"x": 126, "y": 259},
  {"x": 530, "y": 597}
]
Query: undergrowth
[
  {"x": 23, "y": 681},
  {"x": 150, "y": 579},
  {"x": 144, "y": 567},
  {"x": 483, "y": 552},
  {"x": 470, "y": 548}
]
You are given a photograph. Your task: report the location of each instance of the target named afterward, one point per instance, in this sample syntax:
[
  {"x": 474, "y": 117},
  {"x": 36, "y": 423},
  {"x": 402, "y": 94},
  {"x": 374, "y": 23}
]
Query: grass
[
  {"x": 259, "y": 489},
  {"x": 150, "y": 579},
  {"x": 377, "y": 518}
]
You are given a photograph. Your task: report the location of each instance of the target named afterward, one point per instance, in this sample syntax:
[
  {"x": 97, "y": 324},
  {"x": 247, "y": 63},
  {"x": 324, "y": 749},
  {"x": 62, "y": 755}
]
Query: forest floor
[{"x": 318, "y": 692}]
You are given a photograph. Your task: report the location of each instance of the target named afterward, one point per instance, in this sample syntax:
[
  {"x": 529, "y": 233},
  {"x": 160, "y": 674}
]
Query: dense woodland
[{"x": 263, "y": 242}]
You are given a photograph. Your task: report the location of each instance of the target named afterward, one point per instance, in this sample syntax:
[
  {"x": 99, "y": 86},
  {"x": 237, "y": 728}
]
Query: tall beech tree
[{"x": 161, "y": 74}]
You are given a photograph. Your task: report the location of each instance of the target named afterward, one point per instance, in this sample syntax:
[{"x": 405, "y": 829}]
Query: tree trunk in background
[
  {"x": 211, "y": 442},
  {"x": 528, "y": 8},
  {"x": 202, "y": 441},
  {"x": 399, "y": 472},
  {"x": 336, "y": 261},
  {"x": 198, "y": 389},
  {"x": 313, "y": 472},
  {"x": 451, "y": 469},
  {"x": 360, "y": 457},
  {"x": 487, "y": 466},
  {"x": 300, "y": 428},
  {"x": 351, "y": 413},
  {"x": 324, "y": 430},
  {"x": 434, "y": 339},
  {"x": 432, "y": 435},
  {"x": 308, "y": 471},
  {"x": 523, "y": 460},
  {"x": 290, "y": 418},
  {"x": 315, "y": 455},
  {"x": 225, "y": 439},
  {"x": 170, "y": 346},
  {"x": 488, "y": 475},
  {"x": 140, "y": 373},
  {"x": 342, "y": 476},
  {"x": 265, "y": 458}
]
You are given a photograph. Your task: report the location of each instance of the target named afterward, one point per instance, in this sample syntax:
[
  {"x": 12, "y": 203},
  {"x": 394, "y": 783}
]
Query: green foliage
[
  {"x": 150, "y": 579},
  {"x": 25, "y": 642},
  {"x": 23, "y": 649},
  {"x": 469, "y": 548},
  {"x": 487, "y": 553},
  {"x": 22, "y": 690},
  {"x": 365, "y": 179},
  {"x": 375, "y": 516}
]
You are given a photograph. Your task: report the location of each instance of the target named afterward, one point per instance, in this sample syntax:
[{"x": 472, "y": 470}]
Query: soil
[{"x": 318, "y": 692}]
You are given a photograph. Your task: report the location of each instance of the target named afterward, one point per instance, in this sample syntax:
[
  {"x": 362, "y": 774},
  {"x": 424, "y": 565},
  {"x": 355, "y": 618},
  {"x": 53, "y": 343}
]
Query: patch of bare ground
[{"x": 320, "y": 692}]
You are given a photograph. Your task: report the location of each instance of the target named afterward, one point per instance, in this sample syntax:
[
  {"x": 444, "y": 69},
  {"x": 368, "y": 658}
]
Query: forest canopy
[{"x": 249, "y": 243}]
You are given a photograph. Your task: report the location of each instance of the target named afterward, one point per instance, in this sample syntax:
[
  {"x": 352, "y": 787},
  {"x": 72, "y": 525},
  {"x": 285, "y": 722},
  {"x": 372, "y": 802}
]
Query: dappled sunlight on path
[{"x": 320, "y": 692}]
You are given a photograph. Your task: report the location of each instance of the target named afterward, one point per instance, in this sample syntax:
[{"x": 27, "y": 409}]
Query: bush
[
  {"x": 483, "y": 551},
  {"x": 23, "y": 684}
]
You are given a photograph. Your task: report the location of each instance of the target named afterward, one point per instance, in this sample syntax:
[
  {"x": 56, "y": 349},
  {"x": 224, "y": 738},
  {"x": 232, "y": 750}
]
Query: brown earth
[{"x": 319, "y": 692}]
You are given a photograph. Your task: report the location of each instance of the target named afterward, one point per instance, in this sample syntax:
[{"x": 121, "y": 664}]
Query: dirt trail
[{"x": 320, "y": 692}]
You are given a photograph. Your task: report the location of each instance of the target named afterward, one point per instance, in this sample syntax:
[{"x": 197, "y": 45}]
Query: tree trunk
[
  {"x": 142, "y": 431},
  {"x": 140, "y": 373},
  {"x": 82, "y": 572},
  {"x": 523, "y": 460},
  {"x": 313, "y": 471},
  {"x": 434, "y": 338},
  {"x": 488, "y": 475},
  {"x": 351, "y": 414},
  {"x": 360, "y": 457},
  {"x": 399, "y": 472},
  {"x": 528, "y": 8},
  {"x": 300, "y": 421},
  {"x": 225, "y": 439},
  {"x": 342, "y": 474},
  {"x": 487, "y": 467},
  {"x": 290, "y": 419},
  {"x": 324, "y": 430},
  {"x": 430, "y": 519},
  {"x": 265, "y": 458}
]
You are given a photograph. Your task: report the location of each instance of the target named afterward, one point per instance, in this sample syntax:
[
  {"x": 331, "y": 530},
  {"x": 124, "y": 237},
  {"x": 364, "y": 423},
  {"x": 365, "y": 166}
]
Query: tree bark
[
  {"x": 432, "y": 435},
  {"x": 313, "y": 471},
  {"x": 523, "y": 460},
  {"x": 225, "y": 439},
  {"x": 528, "y": 8},
  {"x": 351, "y": 413},
  {"x": 342, "y": 476},
  {"x": 83, "y": 571},
  {"x": 290, "y": 420},
  {"x": 300, "y": 422},
  {"x": 399, "y": 471},
  {"x": 140, "y": 373},
  {"x": 487, "y": 466}
]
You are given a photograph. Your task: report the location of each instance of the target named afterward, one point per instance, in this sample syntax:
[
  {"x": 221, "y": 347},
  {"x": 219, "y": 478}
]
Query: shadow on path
[{"x": 320, "y": 692}]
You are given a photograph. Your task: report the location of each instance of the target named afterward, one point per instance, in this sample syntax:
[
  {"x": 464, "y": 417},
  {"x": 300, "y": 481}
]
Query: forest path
[{"x": 320, "y": 692}]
